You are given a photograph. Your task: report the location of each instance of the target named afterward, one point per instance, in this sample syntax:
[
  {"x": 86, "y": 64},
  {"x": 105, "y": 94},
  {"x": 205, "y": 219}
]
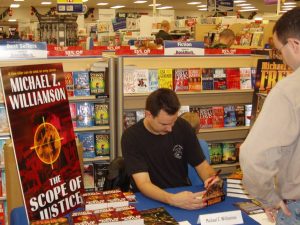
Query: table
[
  {"x": 18, "y": 216},
  {"x": 192, "y": 215}
]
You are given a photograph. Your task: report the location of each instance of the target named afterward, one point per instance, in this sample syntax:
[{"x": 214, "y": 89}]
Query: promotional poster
[{"x": 44, "y": 141}]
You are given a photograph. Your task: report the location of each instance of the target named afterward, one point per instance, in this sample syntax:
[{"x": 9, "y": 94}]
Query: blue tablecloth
[{"x": 18, "y": 215}]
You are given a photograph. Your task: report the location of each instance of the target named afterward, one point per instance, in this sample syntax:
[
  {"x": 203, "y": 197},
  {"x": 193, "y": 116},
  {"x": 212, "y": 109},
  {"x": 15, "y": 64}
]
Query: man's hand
[
  {"x": 188, "y": 200},
  {"x": 272, "y": 212},
  {"x": 210, "y": 181}
]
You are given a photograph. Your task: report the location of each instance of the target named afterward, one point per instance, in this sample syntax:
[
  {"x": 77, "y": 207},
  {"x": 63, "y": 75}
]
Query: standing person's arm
[{"x": 185, "y": 200}]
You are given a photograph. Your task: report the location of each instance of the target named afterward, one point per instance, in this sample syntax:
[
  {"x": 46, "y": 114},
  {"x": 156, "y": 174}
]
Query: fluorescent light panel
[
  {"x": 247, "y": 10},
  {"x": 239, "y": 1},
  {"x": 289, "y": 3},
  {"x": 12, "y": 20},
  {"x": 193, "y": 3},
  {"x": 46, "y": 3},
  {"x": 203, "y": 9},
  {"x": 18, "y": 0},
  {"x": 201, "y": 6},
  {"x": 117, "y": 7},
  {"x": 14, "y": 5},
  {"x": 243, "y": 4},
  {"x": 247, "y": 7},
  {"x": 139, "y": 2},
  {"x": 102, "y": 3}
]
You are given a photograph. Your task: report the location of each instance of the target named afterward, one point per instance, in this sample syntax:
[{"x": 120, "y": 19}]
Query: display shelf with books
[{"x": 188, "y": 72}]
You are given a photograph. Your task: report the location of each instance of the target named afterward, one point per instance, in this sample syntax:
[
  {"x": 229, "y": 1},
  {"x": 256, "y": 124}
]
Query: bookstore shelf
[
  {"x": 2, "y": 198},
  {"x": 4, "y": 134},
  {"x": 222, "y": 97},
  {"x": 93, "y": 128},
  {"x": 96, "y": 159},
  {"x": 226, "y": 168},
  {"x": 2, "y": 167}
]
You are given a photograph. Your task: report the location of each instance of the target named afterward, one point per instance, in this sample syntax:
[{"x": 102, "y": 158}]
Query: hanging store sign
[
  {"x": 69, "y": 6},
  {"x": 22, "y": 50},
  {"x": 184, "y": 48}
]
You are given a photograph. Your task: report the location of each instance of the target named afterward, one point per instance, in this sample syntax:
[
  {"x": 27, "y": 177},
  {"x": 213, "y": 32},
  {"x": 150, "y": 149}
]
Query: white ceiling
[{"x": 177, "y": 4}]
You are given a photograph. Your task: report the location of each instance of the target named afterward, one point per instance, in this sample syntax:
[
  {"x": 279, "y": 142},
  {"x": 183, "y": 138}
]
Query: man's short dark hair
[
  {"x": 288, "y": 25},
  {"x": 162, "y": 99},
  {"x": 227, "y": 33}
]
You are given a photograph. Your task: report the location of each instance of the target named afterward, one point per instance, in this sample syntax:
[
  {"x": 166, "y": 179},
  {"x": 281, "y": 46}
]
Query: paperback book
[
  {"x": 102, "y": 145},
  {"x": 88, "y": 176},
  {"x": 233, "y": 78},
  {"x": 215, "y": 153},
  {"x": 100, "y": 173},
  {"x": 245, "y": 78},
  {"x": 207, "y": 79},
  {"x": 141, "y": 80},
  {"x": 219, "y": 76},
  {"x": 81, "y": 83},
  {"x": 240, "y": 115},
  {"x": 165, "y": 78},
  {"x": 218, "y": 116},
  {"x": 129, "y": 119},
  {"x": 195, "y": 82},
  {"x": 88, "y": 145},
  {"x": 206, "y": 117},
  {"x": 249, "y": 207},
  {"x": 73, "y": 111},
  {"x": 229, "y": 116},
  {"x": 153, "y": 79},
  {"x": 181, "y": 80},
  {"x": 85, "y": 112},
  {"x": 158, "y": 216},
  {"x": 101, "y": 114},
  {"x": 97, "y": 82},
  {"x": 229, "y": 153},
  {"x": 69, "y": 83}
]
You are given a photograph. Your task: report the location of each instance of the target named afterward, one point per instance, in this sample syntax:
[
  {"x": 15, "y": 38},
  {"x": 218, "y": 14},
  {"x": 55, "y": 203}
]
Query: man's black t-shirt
[
  {"x": 164, "y": 157},
  {"x": 163, "y": 35}
]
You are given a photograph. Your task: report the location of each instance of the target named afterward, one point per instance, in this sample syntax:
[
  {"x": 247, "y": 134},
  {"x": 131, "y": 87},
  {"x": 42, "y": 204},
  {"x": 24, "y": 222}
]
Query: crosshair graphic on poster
[{"x": 47, "y": 143}]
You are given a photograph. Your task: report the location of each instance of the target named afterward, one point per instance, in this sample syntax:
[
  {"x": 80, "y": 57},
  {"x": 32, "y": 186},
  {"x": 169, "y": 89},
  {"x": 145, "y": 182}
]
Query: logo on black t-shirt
[{"x": 178, "y": 151}]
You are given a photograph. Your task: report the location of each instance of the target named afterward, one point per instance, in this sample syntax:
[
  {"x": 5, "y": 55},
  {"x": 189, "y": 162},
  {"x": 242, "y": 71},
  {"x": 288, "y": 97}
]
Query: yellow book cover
[{"x": 165, "y": 78}]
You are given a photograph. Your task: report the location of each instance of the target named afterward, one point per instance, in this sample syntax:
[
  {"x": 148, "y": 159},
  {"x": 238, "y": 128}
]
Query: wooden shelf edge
[
  {"x": 94, "y": 128},
  {"x": 5, "y": 135},
  {"x": 223, "y": 129},
  {"x": 96, "y": 159}
]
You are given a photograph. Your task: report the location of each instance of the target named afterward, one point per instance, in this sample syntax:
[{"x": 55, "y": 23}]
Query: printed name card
[
  {"x": 224, "y": 218},
  {"x": 186, "y": 48}
]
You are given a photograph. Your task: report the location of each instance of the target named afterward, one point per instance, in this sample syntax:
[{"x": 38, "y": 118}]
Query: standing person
[
  {"x": 270, "y": 155},
  {"x": 226, "y": 39},
  {"x": 163, "y": 34},
  {"x": 157, "y": 151}
]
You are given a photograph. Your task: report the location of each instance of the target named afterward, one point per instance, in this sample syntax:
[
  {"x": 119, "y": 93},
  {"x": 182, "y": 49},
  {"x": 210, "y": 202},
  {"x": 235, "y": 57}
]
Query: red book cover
[
  {"x": 181, "y": 79},
  {"x": 195, "y": 83},
  {"x": 44, "y": 142},
  {"x": 219, "y": 76},
  {"x": 206, "y": 117},
  {"x": 73, "y": 111},
  {"x": 2, "y": 213},
  {"x": 69, "y": 83},
  {"x": 218, "y": 116},
  {"x": 233, "y": 78}
]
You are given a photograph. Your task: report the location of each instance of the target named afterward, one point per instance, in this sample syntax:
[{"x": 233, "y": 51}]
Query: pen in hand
[{"x": 214, "y": 176}]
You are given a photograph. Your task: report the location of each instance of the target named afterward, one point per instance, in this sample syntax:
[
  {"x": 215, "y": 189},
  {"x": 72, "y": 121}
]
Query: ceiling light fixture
[
  {"x": 193, "y": 3},
  {"x": 239, "y": 1},
  {"x": 14, "y": 5},
  {"x": 165, "y": 7},
  {"x": 46, "y": 3},
  {"x": 102, "y": 3},
  {"x": 12, "y": 20},
  {"x": 288, "y": 6},
  {"x": 139, "y": 2},
  {"x": 85, "y": 0},
  {"x": 289, "y": 3},
  {"x": 201, "y": 6},
  {"x": 155, "y": 4},
  {"x": 18, "y": 0},
  {"x": 247, "y": 7},
  {"x": 203, "y": 9},
  {"x": 117, "y": 7},
  {"x": 247, "y": 10},
  {"x": 243, "y": 4}
]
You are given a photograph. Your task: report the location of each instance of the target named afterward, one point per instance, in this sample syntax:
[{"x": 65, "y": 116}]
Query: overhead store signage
[
  {"x": 220, "y": 5},
  {"x": 69, "y": 6},
  {"x": 184, "y": 48},
  {"x": 22, "y": 50}
]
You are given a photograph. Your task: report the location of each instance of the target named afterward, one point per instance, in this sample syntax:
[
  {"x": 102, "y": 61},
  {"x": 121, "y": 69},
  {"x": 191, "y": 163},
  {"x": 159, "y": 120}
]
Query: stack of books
[{"x": 235, "y": 187}]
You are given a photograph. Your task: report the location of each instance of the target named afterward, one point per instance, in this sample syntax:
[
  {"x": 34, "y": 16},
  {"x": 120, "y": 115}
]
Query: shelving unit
[{"x": 203, "y": 98}]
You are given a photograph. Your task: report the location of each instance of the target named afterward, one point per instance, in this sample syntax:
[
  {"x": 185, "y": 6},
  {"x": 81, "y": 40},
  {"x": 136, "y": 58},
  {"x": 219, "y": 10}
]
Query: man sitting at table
[{"x": 157, "y": 151}]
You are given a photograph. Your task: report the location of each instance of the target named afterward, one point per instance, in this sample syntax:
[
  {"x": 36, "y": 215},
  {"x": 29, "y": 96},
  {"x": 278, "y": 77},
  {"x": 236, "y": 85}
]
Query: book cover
[
  {"x": 3, "y": 181},
  {"x": 237, "y": 190},
  {"x": 165, "y": 78},
  {"x": 195, "y": 81},
  {"x": 2, "y": 142},
  {"x": 81, "y": 83},
  {"x": 101, "y": 114},
  {"x": 88, "y": 144},
  {"x": 45, "y": 140},
  {"x": 215, "y": 153},
  {"x": 240, "y": 115},
  {"x": 219, "y": 77},
  {"x": 129, "y": 119},
  {"x": 54, "y": 221},
  {"x": 3, "y": 119},
  {"x": 100, "y": 173},
  {"x": 269, "y": 72},
  {"x": 235, "y": 177},
  {"x": 88, "y": 176},
  {"x": 257, "y": 39},
  {"x": 69, "y": 83},
  {"x": 253, "y": 76},
  {"x": 141, "y": 80},
  {"x": 218, "y": 116},
  {"x": 248, "y": 114},
  {"x": 85, "y": 113},
  {"x": 181, "y": 80},
  {"x": 207, "y": 79},
  {"x": 2, "y": 214},
  {"x": 156, "y": 216},
  {"x": 129, "y": 79},
  {"x": 249, "y": 207},
  {"x": 233, "y": 78},
  {"x": 229, "y": 116},
  {"x": 229, "y": 153},
  {"x": 153, "y": 79},
  {"x": 84, "y": 218},
  {"x": 238, "y": 195},
  {"x": 73, "y": 111},
  {"x": 206, "y": 117},
  {"x": 97, "y": 82},
  {"x": 245, "y": 78},
  {"x": 102, "y": 145}
]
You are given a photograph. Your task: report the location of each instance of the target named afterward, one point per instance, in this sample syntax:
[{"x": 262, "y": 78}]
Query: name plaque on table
[{"x": 224, "y": 218}]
